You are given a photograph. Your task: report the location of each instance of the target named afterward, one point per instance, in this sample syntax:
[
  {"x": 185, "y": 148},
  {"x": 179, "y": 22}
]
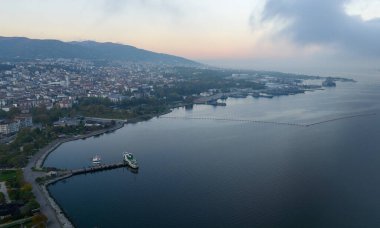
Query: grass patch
[{"x": 7, "y": 175}]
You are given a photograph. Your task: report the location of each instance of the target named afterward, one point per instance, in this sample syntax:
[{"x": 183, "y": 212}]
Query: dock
[
  {"x": 63, "y": 174},
  {"x": 97, "y": 168}
]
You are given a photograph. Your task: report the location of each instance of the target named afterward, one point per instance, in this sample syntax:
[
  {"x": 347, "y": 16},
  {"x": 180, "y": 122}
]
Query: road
[
  {"x": 30, "y": 177},
  {"x": 3, "y": 189},
  {"x": 7, "y": 139}
]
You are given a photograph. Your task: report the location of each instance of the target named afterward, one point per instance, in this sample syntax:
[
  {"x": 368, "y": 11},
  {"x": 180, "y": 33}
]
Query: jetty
[
  {"x": 55, "y": 176},
  {"x": 97, "y": 168}
]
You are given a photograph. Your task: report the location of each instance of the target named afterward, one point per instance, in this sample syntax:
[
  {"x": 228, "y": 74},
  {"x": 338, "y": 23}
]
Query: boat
[
  {"x": 130, "y": 160},
  {"x": 96, "y": 159}
]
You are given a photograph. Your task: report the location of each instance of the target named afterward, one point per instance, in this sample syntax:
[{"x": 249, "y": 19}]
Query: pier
[
  {"x": 97, "y": 168},
  {"x": 63, "y": 174}
]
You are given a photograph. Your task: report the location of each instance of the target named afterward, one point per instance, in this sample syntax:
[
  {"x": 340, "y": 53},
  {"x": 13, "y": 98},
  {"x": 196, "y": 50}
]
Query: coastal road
[
  {"x": 30, "y": 177},
  {"x": 3, "y": 189},
  {"x": 42, "y": 197}
]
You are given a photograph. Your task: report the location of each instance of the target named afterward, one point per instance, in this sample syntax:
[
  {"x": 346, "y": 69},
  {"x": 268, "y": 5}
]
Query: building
[
  {"x": 24, "y": 121},
  {"x": 116, "y": 98},
  {"x": 65, "y": 104},
  {"x": 65, "y": 121},
  {"x": 27, "y": 104},
  {"x": 9, "y": 127}
]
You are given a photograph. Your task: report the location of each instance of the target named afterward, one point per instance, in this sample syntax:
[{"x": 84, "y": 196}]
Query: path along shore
[{"x": 56, "y": 217}]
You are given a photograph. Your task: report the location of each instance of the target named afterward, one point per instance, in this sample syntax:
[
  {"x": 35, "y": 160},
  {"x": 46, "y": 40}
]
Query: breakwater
[{"x": 272, "y": 122}]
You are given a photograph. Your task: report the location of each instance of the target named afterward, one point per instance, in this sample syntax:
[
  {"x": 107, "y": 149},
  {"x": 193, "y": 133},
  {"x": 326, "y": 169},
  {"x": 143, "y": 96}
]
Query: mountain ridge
[{"x": 26, "y": 48}]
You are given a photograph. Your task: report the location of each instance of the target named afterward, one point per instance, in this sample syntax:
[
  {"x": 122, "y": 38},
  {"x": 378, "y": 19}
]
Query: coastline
[
  {"x": 57, "y": 215},
  {"x": 60, "y": 214},
  {"x": 56, "y": 143},
  {"x": 41, "y": 156}
]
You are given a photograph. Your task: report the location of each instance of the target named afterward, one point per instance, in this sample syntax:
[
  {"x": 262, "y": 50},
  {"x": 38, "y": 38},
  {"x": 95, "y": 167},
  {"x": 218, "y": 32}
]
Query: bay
[{"x": 212, "y": 173}]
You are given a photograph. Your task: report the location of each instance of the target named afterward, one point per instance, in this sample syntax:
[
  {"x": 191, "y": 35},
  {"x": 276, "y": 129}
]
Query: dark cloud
[{"x": 325, "y": 22}]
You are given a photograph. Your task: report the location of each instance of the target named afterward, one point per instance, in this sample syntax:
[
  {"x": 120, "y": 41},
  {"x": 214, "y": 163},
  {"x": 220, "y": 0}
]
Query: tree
[
  {"x": 39, "y": 220},
  {"x": 2, "y": 198}
]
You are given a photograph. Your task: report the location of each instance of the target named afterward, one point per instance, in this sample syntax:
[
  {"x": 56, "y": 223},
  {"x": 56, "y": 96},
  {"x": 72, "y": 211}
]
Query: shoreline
[
  {"x": 59, "y": 213},
  {"x": 46, "y": 201},
  {"x": 62, "y": 217},
  {"x": 58, "y": 142}
]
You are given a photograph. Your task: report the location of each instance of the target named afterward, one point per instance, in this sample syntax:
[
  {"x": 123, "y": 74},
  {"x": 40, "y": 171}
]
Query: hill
[{"x": 25, "y": 48}]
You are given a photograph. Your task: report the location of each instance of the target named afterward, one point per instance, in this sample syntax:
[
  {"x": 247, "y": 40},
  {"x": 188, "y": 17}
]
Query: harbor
[
  {"x": 55, "y": 176},
  {"x": 34, "y": 170}
]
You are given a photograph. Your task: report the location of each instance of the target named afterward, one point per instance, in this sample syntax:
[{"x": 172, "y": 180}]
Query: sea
[{"x": 241, "y": 165}]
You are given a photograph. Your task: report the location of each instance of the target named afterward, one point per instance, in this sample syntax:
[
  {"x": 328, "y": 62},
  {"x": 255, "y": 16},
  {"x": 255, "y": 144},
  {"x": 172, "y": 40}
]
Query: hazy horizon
[{"x": 294, "y": 36}]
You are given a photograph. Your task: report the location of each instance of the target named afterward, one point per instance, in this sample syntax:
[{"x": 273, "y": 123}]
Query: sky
[{"x": 287, "y": 35}]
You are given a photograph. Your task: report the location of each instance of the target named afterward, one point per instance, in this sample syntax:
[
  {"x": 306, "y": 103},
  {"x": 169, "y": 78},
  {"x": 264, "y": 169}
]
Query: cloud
[
  {"x": 118, "y": 6},
  {"x": 114, "y": 6},
  {"x": 324, "y": 22}
]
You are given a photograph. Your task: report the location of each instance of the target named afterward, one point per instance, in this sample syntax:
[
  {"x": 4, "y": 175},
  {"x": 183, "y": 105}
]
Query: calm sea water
[{"x": 205, "y": 173}]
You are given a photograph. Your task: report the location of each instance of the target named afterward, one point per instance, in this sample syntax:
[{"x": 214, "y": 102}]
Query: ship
[
  {"x": 130, "y": 160},
  {"x": 96, "y": 159}
]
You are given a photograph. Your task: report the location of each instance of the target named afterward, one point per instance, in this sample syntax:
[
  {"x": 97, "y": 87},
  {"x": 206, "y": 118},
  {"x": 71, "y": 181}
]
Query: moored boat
[
  {"x": 130, "y": 160},
  {"x": 96, "y": 159}
]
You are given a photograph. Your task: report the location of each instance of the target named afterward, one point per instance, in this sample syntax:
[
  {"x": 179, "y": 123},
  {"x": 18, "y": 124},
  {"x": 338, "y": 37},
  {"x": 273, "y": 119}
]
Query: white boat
[
  {"x": 96, "y": 159},
  {"x": 130, "y": 160}
]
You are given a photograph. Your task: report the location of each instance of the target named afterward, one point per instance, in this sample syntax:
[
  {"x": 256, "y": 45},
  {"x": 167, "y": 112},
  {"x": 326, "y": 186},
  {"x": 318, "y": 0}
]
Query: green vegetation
[
  {"x": 126, "y": 109},
  {"x": 2, "y": 198},
  {"x": 13, "y": 112},
  {"x": 29, "y": 141},
  {"x": 7, "y": 175},
  {"x": 39, "y": 221},
  {"x": 100, "y": 107},
  {"x": 103, "y": 108},
  {"x": 194, "y": 81},
  {"x": 20, "y": 192}
]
